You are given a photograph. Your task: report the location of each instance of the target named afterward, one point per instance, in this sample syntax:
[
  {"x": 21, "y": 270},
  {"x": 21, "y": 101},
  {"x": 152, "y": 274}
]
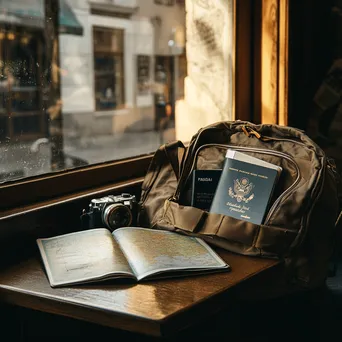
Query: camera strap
[{"x": 84, "y": 219}]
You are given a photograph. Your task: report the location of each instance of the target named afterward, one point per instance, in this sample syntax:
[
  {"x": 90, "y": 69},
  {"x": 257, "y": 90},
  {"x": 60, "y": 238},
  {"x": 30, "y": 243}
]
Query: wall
[
  {"x": 208, "y": 86},
  {"x": 138, "y": 38},
  {"x": 76, "y": 59},
  {"x": 77, "y": 74},
  {"x": 169, "y": 23},
  {"x": 77, "y": 79},
  {"x": 123, "y": 3}
]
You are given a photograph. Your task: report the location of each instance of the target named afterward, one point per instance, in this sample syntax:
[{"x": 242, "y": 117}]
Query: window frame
[
  {"x": 272, "y": 61},
  {"x": 54, "y": 185},
  {"x": 61, "y": 183}
]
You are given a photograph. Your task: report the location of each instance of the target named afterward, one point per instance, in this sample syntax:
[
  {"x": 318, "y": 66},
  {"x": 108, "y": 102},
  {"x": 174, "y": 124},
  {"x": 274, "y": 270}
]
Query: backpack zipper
[
  {"x": 259, "y": 150},
  {"x": 327, "y": 166},
  {"x": 245, "y": 128},
  {"x": 249, "y": 131}
]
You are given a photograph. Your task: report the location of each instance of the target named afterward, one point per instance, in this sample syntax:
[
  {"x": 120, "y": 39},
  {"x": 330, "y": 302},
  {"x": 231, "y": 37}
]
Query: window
[
  {"x": 86, "y": 84},
  {"x": 143, "y": 74},
  {"x": 21, "y": 97},
  {"x": 108, "y": 68}
]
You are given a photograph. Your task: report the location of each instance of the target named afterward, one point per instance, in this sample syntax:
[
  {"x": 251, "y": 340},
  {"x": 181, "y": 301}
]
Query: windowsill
[
  {"x": 114, "y": 112},
  {"x": 97, "y": 192},
  {"x": 51, "y": 187}
]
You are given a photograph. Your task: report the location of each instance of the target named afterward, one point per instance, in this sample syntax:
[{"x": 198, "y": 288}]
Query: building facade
[
  {"x": 110, "y": 73},
  {"x": 119, "y": 62}
]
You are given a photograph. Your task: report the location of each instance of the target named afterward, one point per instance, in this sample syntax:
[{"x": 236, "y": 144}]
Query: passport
[
  {"x": 204, "y": 184},
  {"x": 245, "y": 188}
]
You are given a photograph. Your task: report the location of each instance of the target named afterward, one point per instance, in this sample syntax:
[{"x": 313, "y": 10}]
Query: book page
[
  {"x": 82, "y": 256},
  {"x": 151, "y": 251}
]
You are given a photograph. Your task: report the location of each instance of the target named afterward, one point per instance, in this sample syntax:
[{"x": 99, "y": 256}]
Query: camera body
[{"x": 111, "y": 212}]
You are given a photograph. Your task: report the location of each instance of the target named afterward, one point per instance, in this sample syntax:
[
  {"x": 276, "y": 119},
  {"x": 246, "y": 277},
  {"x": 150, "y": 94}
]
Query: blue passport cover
[
  {"x": 204, "y": 184},
  {"x": 244, "y": 191}
]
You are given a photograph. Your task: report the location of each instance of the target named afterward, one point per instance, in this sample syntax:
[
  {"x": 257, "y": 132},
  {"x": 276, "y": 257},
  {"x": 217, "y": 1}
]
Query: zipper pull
[
  {"x": 167, "y": 203},
  {"x": 250, "y": 131},
  {"x": 172, "y": 198}
]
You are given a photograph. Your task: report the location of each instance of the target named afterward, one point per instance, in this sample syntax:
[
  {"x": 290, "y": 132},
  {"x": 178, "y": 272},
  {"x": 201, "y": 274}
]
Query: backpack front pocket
[
  {"x": 212, "y": 156},
  {"x": 227, "y": 232}
]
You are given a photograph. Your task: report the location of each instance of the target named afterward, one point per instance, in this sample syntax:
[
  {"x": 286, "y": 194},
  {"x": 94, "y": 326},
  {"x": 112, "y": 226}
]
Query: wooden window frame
[
  {"x": 271, "y": 64},
  {"x": 37, "y": 189},
  {"x": 18, "y": 194}
]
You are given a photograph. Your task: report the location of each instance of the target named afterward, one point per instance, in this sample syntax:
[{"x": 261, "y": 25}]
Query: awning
[
  {"x": 68, "y": 22},
  {"x": 31, "y": 13}
]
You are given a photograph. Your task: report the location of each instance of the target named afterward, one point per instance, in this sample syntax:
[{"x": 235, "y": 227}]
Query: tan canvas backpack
[{"x": 300, "y": 227}]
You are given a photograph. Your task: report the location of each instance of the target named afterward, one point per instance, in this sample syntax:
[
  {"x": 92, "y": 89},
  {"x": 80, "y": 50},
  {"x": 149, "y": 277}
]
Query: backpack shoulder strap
[
  {"x": 175, "y": 152},
  {"x": 172, "y": 153}
]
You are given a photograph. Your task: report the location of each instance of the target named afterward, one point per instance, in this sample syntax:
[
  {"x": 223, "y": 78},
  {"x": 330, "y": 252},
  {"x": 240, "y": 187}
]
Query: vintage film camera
[{"x": 111, "y": 212}]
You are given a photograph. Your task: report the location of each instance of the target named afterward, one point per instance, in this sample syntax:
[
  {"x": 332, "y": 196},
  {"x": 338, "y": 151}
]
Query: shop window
[{"x": 20, "y": 89}]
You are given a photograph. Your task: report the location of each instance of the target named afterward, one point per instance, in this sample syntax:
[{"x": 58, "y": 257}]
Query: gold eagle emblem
[{"x": 242, "y": 188}]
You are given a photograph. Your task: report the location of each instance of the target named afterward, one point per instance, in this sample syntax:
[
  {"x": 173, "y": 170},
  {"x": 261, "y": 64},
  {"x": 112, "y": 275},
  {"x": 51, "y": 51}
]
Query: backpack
[{"x": 300, "y": 228}]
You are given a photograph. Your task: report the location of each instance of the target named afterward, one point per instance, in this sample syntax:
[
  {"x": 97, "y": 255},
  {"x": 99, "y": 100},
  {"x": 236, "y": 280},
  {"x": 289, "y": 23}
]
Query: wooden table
[{"x": 157, "y": 308}]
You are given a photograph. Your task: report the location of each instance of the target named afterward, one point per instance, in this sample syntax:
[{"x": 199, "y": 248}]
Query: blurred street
[
  {"x": 85, "y": 86},
  {"x": 25, "y": 159}
]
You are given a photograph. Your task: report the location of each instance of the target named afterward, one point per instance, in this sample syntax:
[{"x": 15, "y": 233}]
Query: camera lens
[{"x": 117, "y": 215}]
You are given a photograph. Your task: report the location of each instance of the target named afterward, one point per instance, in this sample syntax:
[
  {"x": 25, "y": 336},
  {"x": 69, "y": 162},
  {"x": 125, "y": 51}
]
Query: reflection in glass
[
  {"x": 79, "y": 86},
  {"x": 19, "y": 92}
]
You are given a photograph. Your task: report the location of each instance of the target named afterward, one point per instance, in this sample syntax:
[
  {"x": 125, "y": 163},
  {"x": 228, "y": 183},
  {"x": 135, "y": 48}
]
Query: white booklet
[
  {"x": 233, "y": 154},
  {"x": 129, "y": 252}
]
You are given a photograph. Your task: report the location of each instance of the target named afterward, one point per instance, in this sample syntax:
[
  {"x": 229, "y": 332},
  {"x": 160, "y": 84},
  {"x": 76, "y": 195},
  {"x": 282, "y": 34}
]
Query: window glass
[
  {"x": 85, "y": 82},
  {"x": 108, "y": 68}
]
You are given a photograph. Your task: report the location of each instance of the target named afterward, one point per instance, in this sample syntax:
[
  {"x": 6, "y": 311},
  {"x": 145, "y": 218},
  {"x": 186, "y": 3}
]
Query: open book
[{"x": 129, "y": 252}]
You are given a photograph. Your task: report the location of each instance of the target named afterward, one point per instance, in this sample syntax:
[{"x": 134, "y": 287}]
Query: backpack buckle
[{"x": 250, "y": 131}]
